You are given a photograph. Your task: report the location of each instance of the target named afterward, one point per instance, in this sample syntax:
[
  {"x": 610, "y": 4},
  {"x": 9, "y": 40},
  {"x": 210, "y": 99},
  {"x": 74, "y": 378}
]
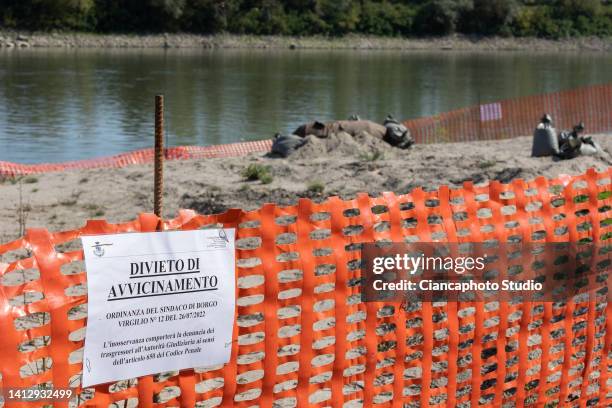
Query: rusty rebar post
[{"x": 159, "y": 156}]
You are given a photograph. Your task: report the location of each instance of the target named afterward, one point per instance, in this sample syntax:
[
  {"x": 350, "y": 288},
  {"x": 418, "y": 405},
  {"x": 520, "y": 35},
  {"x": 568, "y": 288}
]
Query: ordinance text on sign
[{"x": 157, "y": 302}]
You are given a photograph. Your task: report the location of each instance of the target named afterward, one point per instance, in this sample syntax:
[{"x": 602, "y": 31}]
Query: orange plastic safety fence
[
  {"x": 303, "y": 336},
  {"x": 139, "y": 157},
  {"x": 518, "y": 117}
]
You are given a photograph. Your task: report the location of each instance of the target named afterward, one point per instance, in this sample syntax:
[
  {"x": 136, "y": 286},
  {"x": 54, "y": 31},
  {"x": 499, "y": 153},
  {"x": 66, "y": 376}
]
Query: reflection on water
[{"x": 65, "y": 105}]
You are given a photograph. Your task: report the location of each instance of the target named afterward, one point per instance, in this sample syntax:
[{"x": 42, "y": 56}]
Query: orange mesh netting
[
  {"x": 143, "y": 156},
  {"x": 303, "y": 337},
  {"x": 518, "y": 117}
]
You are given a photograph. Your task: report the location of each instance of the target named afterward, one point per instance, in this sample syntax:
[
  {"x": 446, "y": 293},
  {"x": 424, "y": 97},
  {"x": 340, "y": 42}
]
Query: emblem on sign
[
  {"x": 218, "y": 241},
  {"x": 98, "y": 250}
]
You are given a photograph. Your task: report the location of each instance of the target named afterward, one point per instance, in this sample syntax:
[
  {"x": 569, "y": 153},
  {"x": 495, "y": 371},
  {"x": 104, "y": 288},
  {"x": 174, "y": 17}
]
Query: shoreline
[
  {"x": 341, "y": 165},
  {"x": 21, "y": 39}
]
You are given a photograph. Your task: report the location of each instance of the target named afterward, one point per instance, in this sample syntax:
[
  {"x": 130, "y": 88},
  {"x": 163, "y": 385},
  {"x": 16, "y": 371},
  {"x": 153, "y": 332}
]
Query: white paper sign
[{"x": 158, "y": 302}]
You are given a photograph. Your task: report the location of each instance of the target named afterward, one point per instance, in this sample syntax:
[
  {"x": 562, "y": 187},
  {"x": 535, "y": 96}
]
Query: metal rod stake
[{"x": 159, "y": 156}]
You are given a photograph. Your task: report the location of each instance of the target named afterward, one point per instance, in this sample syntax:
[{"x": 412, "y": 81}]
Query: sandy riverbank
[
  {"x": 16, "y": 40},
  {"x": 342, "y": 165}
]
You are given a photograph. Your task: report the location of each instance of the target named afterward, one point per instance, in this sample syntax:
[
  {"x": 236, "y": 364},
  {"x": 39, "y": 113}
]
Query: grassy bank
[{"x": 15, "y": 39}]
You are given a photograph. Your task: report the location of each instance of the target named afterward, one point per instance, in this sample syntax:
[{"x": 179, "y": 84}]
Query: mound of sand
[
  {"x": 345, "y": 145},
  {"x": 341, "y": 165}
]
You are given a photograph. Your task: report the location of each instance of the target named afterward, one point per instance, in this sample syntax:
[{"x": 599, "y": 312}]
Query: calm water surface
[{"x": 58, "y": 105}]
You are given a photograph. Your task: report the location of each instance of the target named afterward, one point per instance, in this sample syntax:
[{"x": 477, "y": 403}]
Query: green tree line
[{"x": 539, "y": 18}]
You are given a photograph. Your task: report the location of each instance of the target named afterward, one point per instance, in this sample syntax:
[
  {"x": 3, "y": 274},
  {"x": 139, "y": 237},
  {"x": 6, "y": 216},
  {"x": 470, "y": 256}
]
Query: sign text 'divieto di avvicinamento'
[{"x": 158, "y": 302}]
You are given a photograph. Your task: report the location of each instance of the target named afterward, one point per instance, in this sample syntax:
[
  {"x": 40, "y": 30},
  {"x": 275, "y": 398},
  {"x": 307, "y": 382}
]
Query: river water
[{"x": 59, "y": 105}]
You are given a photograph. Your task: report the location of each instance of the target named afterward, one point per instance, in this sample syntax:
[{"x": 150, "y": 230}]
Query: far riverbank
[{"x": 15, "y": 39}]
